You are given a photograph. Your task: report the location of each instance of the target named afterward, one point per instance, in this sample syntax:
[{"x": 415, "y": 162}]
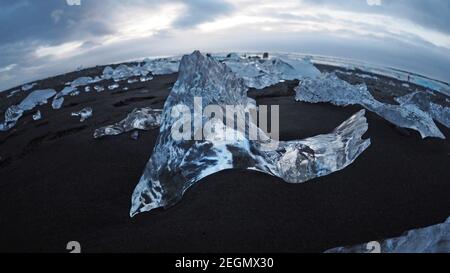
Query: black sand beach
[{"x": 58, "y": 184}]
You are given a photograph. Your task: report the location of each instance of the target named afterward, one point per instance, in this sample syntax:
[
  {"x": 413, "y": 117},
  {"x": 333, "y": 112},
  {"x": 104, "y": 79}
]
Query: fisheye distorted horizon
[{"x": 44, "y": 38}]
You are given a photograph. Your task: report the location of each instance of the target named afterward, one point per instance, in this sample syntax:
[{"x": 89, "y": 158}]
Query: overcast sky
[{"x": 40, "y": 38}]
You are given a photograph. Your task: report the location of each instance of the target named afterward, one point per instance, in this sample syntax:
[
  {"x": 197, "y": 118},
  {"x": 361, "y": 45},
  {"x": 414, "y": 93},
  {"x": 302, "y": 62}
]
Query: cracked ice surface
[
  {"x": 330, "y": 89},
  {"x": 433, "y": 239},
  {"x": 138, "y": 119},
  {"x": 260, "y": 73},
  {"x": 178, "y": 164},
  {"x": 15, "y": 112},
  {"x": 84, "y": 114}
]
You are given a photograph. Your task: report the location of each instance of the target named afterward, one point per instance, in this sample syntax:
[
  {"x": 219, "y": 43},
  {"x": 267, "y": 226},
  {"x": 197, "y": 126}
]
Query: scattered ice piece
[
  {"x": 58, "y": 100},
  {"x": 37, "y": 115},
  {"x": 405, "y": 85},
  {"x": 15, "y": 112},
  {"x": 131, "y": 81},
  {"x": 99, "y": 88},
  {"x": 260, "y": 73},
  {"x": 146, "y": 78},
  {"x": 82, "y": 81},
  {"x": 164, "y": 66},
  {"x": 176, "y": 165},
  {"x": 84, "y": 114},
  {"x": 135, "y": 135},
  {"x": 433, "y": 239},
  {"x": 138, "y": 119},
  {"x": 28, "y": 87},
  {"x": 122, "y": 72},
  {"x": 125, "y": 88},
  {"x": 113, "y": 86},
  {"x": 329, "y": 88},
  {"x": 75, "y": 93},
  {"x": 13, "y": 93},
  {"x": 87, "y": 89},
  {"x": 108, "y": 73}
]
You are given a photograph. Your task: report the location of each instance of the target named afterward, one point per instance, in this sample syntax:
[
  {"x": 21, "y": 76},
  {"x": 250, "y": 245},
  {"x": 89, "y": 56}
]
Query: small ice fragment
[
  {"x": 57, "y": 103},
  {"x": 87, "y": 89},
  {"x": 82, "y": 81},
  {"x": 75, "y": 93},
  {"x": 146, "y": 78},
  {"x": 27, "y": 87},
  {"x": 58, "y": 100},
  {"x": 37, "y": 115},
  {"x": 131, "y": 81},
  {"x": 135, "y": 135},
  {"x": 13, "y": 93},
  {"x": 99, "y": 88},
  {"x": 84, "y": 114},
  {"x": 138, "y": 119},
  {"x": 113, "y": 86}
]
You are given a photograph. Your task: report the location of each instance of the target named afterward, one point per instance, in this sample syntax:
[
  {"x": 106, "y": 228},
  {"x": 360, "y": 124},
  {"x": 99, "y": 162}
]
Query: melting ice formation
[
  {"x": 15, "y": 112},
  {"x": 434, "y": 239},
  {"x": 84, "y": 114},
  {"x": 415, "y": 110},
  {"x": 178, "y": 164},
  {"x": 138, "y": 119}
]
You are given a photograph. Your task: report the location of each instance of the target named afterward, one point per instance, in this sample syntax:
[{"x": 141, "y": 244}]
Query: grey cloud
[
  {"x": 200, "y": 11},
  {"x": 433, "y": 14}
]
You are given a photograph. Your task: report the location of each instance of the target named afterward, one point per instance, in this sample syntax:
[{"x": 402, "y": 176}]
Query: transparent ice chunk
[
  {"x": 439, "y": 110},
  {"x": 138, "y": 119},
  {"x": 328, "y": 88},
  {"x": 260, "y": 73},
  {"x": 163, "y": 66},
  {"x": 14, "y": 92},
  {"x": 37, "y": 115},
  {"x": 83, "y": 81},
  {"x": 113, "y": 86},
  {"x": 28, "y": 87},
  {"x": 84, "y": 114},
  {"x": 15, "y": 112},
  {"x": 176, "y": 165},
  {"x": 99, "y": 88},
  {"x": 58, "y": 100}
]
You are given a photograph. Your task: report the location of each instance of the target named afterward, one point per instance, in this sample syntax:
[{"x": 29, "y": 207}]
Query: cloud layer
[{"x": 43, "y": 38}]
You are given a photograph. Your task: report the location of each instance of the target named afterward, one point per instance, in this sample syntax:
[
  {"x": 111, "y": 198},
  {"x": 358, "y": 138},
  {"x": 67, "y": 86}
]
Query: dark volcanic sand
[{"x": 58, "y": 184}]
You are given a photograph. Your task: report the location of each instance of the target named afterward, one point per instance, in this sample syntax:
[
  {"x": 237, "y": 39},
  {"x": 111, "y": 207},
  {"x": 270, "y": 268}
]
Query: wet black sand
[{"x": 58, "y": 184}]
